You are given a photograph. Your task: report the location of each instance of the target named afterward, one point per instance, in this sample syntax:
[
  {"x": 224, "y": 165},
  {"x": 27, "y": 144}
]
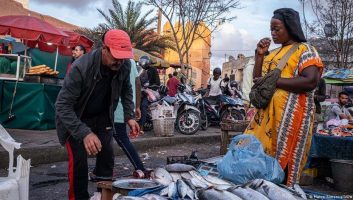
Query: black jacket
[{"x": 78, "y": 86}]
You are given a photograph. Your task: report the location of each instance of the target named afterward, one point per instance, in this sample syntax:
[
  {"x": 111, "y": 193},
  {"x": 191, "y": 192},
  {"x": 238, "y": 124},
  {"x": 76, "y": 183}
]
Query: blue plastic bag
[{"x": 246, "y": 160}]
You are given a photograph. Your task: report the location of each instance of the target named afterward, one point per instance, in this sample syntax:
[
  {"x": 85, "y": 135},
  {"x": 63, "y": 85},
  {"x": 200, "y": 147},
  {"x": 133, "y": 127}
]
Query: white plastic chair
[{"x": 16, "y": 185}]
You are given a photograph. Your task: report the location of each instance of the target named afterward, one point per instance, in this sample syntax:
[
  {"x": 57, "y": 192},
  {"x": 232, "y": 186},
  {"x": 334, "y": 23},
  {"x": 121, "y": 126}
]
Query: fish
[
  {"x": 200, "y": 178},
  {"x": 182, "y": 188},
  {"x": 162, "y": 176},
  {"x": 296, "y": 190},
  {"x": 172, "y": 190},
  {"x": 186, "y": 175},
  {"x": 247, "y": 193},
  {"x": 154, "y": 197},
  {"x": 190, "y": 193},
  {"x": 212, "y": 194},
  {"x": 179, "y": 167},
  {"x": 270, "y": 190},
  {"x": 197, "y": 183},
  {"x": 188, "y": 182},
  {"x": 222, "y": 187},
  {"x": 175, "y": 176},
  {"x": 217, "y": 181},
  {"x": 164, "y": 192}
]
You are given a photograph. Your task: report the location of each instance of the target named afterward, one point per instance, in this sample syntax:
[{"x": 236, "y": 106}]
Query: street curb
[{"x": 57, "y": 153}]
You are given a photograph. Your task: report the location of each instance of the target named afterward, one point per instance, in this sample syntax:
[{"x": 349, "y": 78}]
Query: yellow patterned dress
[{"x": 284, "y": 127}]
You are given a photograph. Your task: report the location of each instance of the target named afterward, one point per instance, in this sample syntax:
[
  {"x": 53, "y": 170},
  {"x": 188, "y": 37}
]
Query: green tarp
[
  {"x": 48, "y": 59},
  {"x": 337, "y": 82},
  {"x": 33, "y": 105}
]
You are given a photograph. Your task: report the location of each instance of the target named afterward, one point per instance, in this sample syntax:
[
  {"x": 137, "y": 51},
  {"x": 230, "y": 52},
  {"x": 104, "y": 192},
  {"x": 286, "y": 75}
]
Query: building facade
[
  {"x": 199, "y": 55},
  {"x": 233, "y": 68}
]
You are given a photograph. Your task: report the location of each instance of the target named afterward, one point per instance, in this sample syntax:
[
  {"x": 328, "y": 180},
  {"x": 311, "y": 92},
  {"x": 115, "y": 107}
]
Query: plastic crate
[{"x": 163, "y": 127}]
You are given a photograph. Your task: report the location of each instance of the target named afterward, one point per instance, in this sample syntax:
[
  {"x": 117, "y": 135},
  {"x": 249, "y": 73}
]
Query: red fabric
[
  {"x": 71, "y": 171},
  {"x": 172, "y": 85},
  {"x": 31, "y": 28}
]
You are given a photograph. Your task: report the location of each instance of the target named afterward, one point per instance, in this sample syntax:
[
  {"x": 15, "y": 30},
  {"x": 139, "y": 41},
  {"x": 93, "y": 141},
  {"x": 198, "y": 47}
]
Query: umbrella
[
  {"x": 32, "y": 29},
  {"x": 66, "y": 50}
]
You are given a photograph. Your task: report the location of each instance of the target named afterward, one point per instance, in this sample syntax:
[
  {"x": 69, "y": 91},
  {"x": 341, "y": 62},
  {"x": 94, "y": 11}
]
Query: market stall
[
  {"x": 332, "y": 144},
  {"x": 28, "y": 93}
]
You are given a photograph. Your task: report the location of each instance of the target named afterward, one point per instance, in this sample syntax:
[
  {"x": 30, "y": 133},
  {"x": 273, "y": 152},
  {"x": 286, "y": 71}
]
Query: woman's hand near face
[{"x": 262, "y": 46}]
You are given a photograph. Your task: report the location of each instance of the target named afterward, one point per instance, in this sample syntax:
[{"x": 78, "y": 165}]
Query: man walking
[
  {"x": 172, "y": 85},
  {"x": 85, "y": 109}
]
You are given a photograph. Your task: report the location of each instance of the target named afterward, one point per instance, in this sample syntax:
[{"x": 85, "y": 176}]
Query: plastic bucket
[{"x": 342, "y": 172}]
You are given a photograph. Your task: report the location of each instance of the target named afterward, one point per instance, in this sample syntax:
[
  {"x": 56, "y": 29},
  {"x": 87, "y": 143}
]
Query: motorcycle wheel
[
  {"x": 236, "y": 114},
  {"x": 188, "y": 122}
]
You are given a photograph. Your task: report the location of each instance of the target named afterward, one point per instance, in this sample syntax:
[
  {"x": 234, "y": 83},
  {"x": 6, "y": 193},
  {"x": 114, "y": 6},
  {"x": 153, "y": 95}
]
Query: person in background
[
  {"x": 319, "y": 96},
  {"x": 284, "y": 126},
  {"x": 339, "y": 111},
  {"x": 170, "y": 76},
  {"x": 121, "y": 135},
  {"x": 172, "y": 85},
  {"x": 148, "y": 76},
  {"x": 85, "y": 109},
  {"x": 247, "y": 81},
  {"x": 9, "y": 48},
  {"x": 215, "y": 83},
  {"x": 226, "y": 88},
  {"x": 77, "y": 52}
]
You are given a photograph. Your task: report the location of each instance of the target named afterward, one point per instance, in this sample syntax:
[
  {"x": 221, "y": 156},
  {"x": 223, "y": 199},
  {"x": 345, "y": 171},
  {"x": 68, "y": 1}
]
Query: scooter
[
  {"x": 213, "y": 111},
  {"x": 188, "y": 119}
]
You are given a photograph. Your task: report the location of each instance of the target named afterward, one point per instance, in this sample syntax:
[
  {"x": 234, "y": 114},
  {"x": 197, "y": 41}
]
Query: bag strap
[{"x": 286, "y": 56}]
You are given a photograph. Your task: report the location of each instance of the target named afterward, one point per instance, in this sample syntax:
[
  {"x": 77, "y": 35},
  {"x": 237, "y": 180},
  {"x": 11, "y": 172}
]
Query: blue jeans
[
  {"x": 123, "y": 141},
  {"x": 144, "y": 110}
]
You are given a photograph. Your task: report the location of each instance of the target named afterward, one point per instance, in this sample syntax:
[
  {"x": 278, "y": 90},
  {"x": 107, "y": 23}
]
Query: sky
[{"x": 238, "y": 36}]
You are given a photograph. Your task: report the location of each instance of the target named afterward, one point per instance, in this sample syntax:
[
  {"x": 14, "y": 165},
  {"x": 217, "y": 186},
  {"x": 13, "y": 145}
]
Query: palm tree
[{"x": 138, "y": 27}]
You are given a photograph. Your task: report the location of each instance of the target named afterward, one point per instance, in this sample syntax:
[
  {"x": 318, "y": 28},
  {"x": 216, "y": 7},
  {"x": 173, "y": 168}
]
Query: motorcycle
[
  {"x": 188, "y": 119},
  {"x": 213, "y": 110}
]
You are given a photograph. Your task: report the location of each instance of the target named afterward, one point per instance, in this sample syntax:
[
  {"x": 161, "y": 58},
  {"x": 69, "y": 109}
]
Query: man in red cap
[{"x": 85, "y": 109}]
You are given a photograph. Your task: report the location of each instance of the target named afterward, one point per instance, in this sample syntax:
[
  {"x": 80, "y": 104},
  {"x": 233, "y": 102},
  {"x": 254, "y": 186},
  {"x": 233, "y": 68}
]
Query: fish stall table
[
  {"x": 235, "y": 126},
  {"x": 331, "y": 147},
  {"x": 107, "y": 189}
]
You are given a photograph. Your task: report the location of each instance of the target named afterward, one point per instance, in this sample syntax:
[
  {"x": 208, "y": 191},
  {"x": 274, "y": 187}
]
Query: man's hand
[
  {"x": 135, "y": 128},
  {"x": 138, "y": 113},
  {"x": 92, "y": 144}
]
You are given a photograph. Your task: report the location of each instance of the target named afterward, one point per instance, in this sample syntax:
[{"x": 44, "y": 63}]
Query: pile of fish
[{"x": 184, "y": 182}]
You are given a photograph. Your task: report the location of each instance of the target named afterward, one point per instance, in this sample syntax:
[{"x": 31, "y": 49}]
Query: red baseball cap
[{"x": 119, "y": 44}]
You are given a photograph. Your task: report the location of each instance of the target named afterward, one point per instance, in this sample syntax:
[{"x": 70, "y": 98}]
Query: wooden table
[
  {"x": 108, "y": 190},
  {"x": 235, "y": 126}
]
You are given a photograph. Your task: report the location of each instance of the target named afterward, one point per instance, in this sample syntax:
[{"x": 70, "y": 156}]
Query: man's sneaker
[{"x": 93, "y": 178}]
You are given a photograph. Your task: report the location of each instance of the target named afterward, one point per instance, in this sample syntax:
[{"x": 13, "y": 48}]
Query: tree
[
  {"x": 193, "y": 19},
  {"x": 334, "y": 22},
  {"x": 138, "y": 27}
]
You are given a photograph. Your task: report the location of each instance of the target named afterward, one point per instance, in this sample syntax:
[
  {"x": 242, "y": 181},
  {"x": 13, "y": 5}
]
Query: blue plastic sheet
[
  {"x": 246, "y": 160},
  {"x": 141, "y": 192}
]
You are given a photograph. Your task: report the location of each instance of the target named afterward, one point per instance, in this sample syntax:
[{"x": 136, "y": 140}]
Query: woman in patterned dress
[{"x": 284, "y": 127}]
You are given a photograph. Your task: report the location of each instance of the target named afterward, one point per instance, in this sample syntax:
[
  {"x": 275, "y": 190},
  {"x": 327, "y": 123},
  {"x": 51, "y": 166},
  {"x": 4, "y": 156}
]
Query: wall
[{"x": 199, "y": 58}]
